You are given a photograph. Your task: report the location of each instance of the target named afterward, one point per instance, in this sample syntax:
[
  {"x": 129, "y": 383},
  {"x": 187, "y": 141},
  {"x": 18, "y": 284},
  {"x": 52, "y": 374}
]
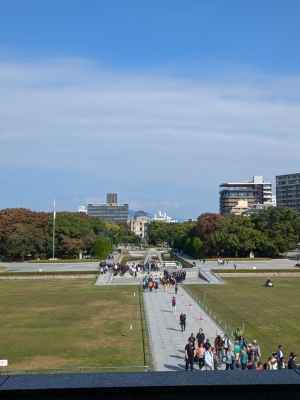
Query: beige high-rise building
[{"x": 256, "y": 191}]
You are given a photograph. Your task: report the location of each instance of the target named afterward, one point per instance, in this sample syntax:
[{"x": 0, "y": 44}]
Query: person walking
[
  {"x": 189, "y": 356},
  {"x": 150, "y": 285},
  {"x": 174, "y": 305},
  {"x": 292, "y": 362},
  {"x": 238, "y": 333},
  {"x": 280, "y": 352},
  {"x": 182, "y": 321},
  {"x": 176, "y": 288},
  {"x": 226, "y": 342},
  {"x": 200, "y": 337},
  {"x": 219, "y": 349},
  {"x": 230, "y": 359},
  {"x": 200, "y": 352},
  {"x": 192, "y": 339},
  {"x": 234, "y": 265},
  {"x": 237, "y": 351},
  {"x": 207, "y": 345},
  {"x": 243, "y": 357},
  {"x": 209, "y": 359}
]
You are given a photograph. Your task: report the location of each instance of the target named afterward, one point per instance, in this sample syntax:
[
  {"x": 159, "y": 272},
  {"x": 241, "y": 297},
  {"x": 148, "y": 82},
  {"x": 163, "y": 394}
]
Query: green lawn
[
  {"x": 65, "y": 323},
  {"x": 271, "y": 315}
]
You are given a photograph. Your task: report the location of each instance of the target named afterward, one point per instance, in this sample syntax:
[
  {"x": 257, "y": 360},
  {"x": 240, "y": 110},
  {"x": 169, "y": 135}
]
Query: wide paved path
[{"x": 168, "y": 342}]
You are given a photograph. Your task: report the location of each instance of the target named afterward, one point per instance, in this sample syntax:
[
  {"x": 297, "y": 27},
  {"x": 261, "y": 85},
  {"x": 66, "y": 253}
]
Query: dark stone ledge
[{"x": 266, "y": 385}]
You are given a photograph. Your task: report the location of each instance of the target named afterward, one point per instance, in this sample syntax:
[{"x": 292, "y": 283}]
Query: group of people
[
  {"x": 104, "y": 267},
  {"x": 171, "y": 277},
  {"x": 242, "y": 355}
]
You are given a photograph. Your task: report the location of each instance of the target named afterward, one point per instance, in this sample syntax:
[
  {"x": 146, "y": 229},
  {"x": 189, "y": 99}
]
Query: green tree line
[
  {"x": 24, "y": 232},
  {"x": 267, "y": 233}
]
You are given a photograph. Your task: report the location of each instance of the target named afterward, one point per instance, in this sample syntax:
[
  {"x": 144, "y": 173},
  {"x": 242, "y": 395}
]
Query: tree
[
  {"x": 24, "y": 240},
  {"x": 72, "y": 246},
  {"x": 205, "y": 227},
  {"x": 192, "y": 246},
  {"x": 280, "y": 225},
  {"x": 10, "y": 217},
  {"x": 158, "y": 232},
  {"x": 102, "y": 247}
]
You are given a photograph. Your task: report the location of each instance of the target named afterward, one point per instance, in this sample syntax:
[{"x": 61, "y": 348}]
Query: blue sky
[{"x": 160, "y": 101}]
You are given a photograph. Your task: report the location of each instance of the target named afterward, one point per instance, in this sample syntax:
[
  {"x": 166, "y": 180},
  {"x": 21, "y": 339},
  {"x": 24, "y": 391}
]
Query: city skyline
[{"x": 159, "y": 102}]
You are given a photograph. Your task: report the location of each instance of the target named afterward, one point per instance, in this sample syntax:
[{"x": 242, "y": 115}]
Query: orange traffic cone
[
  {"x": 190, "y": 303},
  {"x": 201, "y": 317}
]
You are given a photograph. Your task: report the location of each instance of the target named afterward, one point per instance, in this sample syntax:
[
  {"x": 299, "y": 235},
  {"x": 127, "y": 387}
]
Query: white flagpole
[{"x": 54, "y": 217}]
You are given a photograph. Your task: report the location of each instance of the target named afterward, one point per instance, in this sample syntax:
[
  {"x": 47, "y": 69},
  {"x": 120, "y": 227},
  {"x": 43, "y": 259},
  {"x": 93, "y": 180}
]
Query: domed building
[{"x": 139, "y": 224}]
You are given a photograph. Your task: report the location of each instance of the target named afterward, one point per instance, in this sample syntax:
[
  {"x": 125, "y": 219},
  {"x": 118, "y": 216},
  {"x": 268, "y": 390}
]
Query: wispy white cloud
[{"x": 162, "y": 134}]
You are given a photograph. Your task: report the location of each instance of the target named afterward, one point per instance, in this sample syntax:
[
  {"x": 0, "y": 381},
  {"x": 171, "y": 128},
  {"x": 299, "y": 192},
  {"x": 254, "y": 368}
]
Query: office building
[
  {"x": 288, "y": 191},
  {"x": 112, "y": 198},
  {"x": 111, "y": 211},
  {"x": 255, "y": 192}
]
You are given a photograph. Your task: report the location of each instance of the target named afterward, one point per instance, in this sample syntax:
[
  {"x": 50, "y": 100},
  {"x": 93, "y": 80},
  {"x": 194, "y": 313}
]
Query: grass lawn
[
  {"x": 68, "y": 323},
  {"x": 271, "y": 315}
]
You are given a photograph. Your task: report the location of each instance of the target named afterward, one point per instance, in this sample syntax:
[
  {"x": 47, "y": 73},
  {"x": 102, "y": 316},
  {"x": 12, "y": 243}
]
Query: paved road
[
  {"x": 51, "y": 267},
  {"x": 168, "y": 342}
]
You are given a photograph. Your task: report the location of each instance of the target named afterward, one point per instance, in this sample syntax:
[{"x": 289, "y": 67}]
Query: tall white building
[{"x": 162, "y": 217}]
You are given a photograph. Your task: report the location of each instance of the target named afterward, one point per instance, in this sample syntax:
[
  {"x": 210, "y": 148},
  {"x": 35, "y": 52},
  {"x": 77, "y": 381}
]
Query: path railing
[
  {"x": 184, "y": 262},
  {"x": 221, "y": 324}
]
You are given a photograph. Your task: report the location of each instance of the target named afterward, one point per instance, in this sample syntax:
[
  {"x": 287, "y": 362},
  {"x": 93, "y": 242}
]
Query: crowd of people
[
  {"x": 240, "y": 354},
  {"x": 169, "y": 278}
]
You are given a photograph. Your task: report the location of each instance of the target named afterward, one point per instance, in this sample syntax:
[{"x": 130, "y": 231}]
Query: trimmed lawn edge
[
  {"x": 253, "y": 271},
  {"x": 52, "y": 273},
  {"x": 77, "y": 260}
]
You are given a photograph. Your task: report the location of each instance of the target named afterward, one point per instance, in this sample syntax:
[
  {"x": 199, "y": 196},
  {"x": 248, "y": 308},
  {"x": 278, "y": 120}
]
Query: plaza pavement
[
  {"x": 94, "y": 266},
  {"x": 168, "y": 342}
]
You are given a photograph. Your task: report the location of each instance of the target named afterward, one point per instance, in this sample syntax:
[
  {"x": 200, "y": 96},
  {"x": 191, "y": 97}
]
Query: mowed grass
[
  {"x": 271, "y": 315},
  {"x": 68, "y": 323}
]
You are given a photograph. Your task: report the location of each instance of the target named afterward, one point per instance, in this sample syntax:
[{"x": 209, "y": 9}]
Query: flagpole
[{"x": 54, "y": 217}]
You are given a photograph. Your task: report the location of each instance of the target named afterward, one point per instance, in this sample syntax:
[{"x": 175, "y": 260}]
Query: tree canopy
[{"x": 24, "y": 232}]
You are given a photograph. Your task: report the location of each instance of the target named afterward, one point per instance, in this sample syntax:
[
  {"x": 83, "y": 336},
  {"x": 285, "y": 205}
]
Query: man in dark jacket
[
  {"x": 200, "y": 337},
  {"x": 207, "y": 345},
  {"x": 189, "y": 355},
  {"x": 292, "y": 363},
  {"x": 182, "y": 321}
]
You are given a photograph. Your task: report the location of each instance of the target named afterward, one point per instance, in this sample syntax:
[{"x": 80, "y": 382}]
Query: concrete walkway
[{"x": 168, "y": 342}]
